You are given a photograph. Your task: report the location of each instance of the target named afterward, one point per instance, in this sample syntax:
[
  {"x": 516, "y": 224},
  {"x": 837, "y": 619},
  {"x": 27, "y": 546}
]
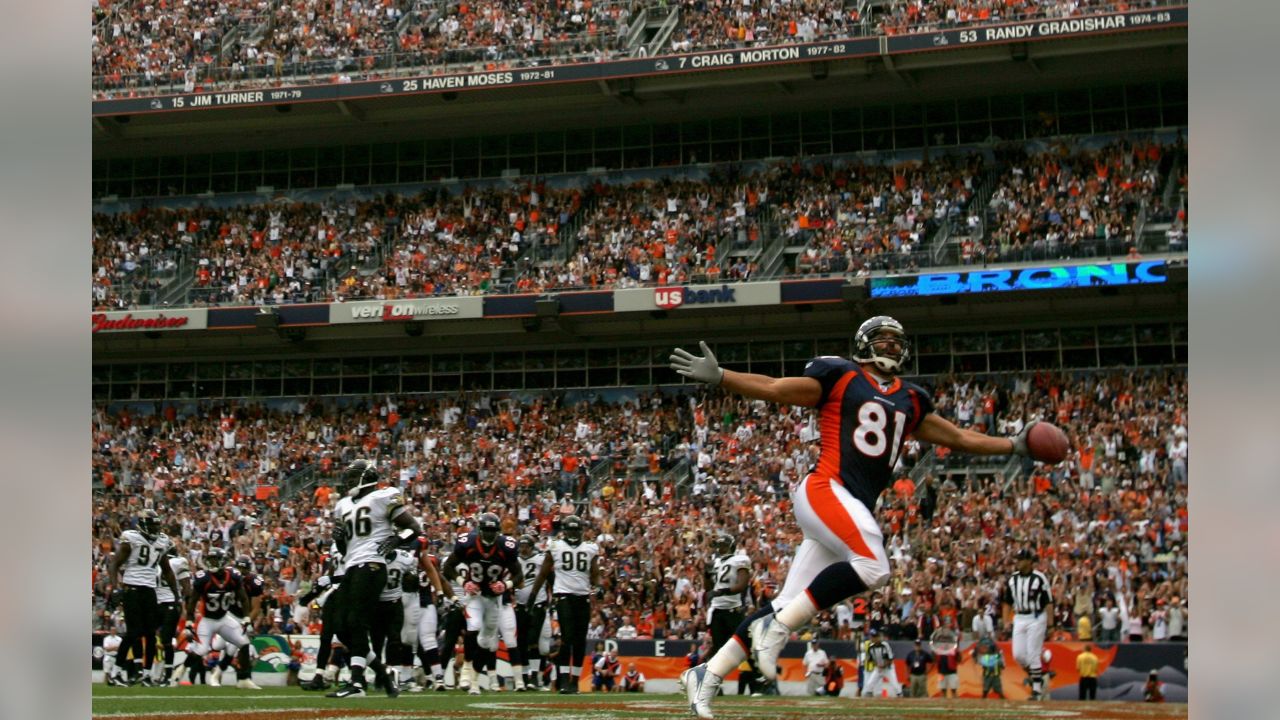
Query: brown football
[{"x": 1047, "y": 443}]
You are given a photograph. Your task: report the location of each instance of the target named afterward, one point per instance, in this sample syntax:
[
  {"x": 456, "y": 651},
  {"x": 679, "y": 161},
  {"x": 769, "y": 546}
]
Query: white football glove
[
  {"x": 1020, "y": 440},
  {"x": 703, "y": 369}
]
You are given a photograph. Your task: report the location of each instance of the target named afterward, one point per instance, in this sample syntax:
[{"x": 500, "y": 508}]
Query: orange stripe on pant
[{"x": 832, "y": 513}]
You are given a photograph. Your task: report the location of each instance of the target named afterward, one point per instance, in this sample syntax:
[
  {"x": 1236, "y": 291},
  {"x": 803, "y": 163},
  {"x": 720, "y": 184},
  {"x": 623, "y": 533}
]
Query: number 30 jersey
[
  {"x": 572, "y": 566},
  {"x": 863, "y": 424},
  {"x": 218, "y": 590}
]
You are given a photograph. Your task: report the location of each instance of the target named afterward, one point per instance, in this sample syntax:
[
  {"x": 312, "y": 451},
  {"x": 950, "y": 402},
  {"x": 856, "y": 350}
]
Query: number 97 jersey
[{"x": 863, "y": 424}]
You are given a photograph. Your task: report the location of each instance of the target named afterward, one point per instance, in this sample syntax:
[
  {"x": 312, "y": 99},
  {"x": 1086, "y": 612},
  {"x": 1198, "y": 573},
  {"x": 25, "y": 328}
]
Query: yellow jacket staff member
[{"x": 1087, "y": 665}]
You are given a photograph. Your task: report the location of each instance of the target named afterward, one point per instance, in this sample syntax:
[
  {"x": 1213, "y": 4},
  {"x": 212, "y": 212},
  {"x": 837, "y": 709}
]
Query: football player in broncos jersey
[
  {"x": 372, "y": 522},
  {"x": 533, "y": 632},
  {"x": 171, "y": 607},
  {"x": 575, "y": 565},
  {"x": 220, "y": 587},
  {"x": 139, "y": 552},
  {"x": 248, "y": 616},
  {"x": 730, "y": 574},
  {"x": 492, "y": 567},
  {"x": 865, "y": 413}
]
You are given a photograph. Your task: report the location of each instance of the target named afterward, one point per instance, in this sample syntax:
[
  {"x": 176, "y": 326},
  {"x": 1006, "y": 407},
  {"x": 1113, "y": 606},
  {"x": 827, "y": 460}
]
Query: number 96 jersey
[
  {"x": 863, "y": 424},
  {"x": 483, "y": 565},
  {"x": 572, "y": 566}
]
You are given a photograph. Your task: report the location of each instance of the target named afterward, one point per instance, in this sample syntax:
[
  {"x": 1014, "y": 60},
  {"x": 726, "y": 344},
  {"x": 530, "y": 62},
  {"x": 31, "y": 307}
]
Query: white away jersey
[
  {"x": 141, "y": 568},
  {"x": 368, "y": 522},
  {"x": 181, "y": 569},
  {"x": 573, "y": 566},
  {"x": 404, "y": 562},
  {"x": 726, "y": 572},
  {"x": 530, "y": 566}
]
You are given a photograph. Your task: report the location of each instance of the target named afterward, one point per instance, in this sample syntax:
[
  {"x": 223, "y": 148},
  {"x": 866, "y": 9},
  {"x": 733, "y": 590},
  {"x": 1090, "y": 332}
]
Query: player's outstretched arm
[
  {"x": 940, "y": 431},
  {"x": 802, "y": 391}
]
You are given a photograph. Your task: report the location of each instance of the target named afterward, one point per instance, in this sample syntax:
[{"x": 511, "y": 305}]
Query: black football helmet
[
  {"x": 244, "y": 564},
  {"x": 149, "y": 523},
  {"x": 528, "y": 544},
  {"x": 360, "y": 477},
  {"x": 878, "y": 328},
  {"x": 489, "y": 527},
  {"x": 215, "y": 559},
  {"x": 573, "y": 528},
  {"x": 723, "y": 544}
]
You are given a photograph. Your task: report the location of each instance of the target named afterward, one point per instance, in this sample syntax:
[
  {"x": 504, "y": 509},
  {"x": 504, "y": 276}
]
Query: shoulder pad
[
  {"x": 255, "y": 580},
  {"x": 201, "y": 574},
  {"x": 131, "y": 536}
]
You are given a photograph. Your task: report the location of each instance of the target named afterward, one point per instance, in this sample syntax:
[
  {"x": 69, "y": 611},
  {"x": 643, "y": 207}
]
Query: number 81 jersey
[{"x": 863, "y": 424}]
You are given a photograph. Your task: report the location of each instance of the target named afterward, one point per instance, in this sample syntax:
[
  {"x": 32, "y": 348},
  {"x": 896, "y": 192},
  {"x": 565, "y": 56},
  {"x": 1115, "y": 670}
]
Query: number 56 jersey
[
  {"x": 572, "y": 566},
  {"x": 863, "y": 424}
]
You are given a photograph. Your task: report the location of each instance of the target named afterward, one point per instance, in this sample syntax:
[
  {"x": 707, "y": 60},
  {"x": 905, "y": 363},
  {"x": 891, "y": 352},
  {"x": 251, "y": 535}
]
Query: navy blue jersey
[
  {"x": 482, "y": 566},
  {"x": 863, "y": 425},
  {"x": 253, "y": 587},
  {"x": 218, "y": 590}
]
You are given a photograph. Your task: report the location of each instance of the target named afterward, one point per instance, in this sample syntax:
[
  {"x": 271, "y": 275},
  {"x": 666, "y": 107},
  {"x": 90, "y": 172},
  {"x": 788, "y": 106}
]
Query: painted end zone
[{"x": 204, "y": 703}]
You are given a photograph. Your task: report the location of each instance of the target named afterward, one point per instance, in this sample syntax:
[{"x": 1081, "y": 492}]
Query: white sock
[
  {"x": 726, "y": 660},
  {"x": 330, "y": 672},
  {"x": 517, "y": 673},
  {"x": 535, "y": 665},
  {"x": 576, "y": 671},
  {"x": 797, "y": 613}
]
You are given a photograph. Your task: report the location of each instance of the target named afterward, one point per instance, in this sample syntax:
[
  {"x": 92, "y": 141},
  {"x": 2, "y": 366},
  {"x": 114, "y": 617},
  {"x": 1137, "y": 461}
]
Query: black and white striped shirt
[
  {"x": 1028, "y": 594},
  {"x": 880, "y": 654}
]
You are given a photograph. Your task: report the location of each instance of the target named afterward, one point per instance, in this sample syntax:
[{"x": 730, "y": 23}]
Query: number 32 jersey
[{"x": 863, "y": 424}]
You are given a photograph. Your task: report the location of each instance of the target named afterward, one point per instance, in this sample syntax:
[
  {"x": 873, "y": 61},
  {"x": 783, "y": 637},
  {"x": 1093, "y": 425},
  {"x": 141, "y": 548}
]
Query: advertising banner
[
  {"x": 377, "y": 311},
  {"x": 150, "y": 320},
  {"x": 673, "y": 297},
  {"x": 1026, "y": 278}
]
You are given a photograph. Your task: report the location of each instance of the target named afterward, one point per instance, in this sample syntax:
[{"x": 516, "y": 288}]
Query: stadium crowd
[
  {"x": 142, "y": 47},
  {"x": 838, "y": 215},
  {"x": 1109, "y": 523}
]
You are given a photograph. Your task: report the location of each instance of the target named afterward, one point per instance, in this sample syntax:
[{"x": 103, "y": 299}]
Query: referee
[{"x": 1027, "y": 591}]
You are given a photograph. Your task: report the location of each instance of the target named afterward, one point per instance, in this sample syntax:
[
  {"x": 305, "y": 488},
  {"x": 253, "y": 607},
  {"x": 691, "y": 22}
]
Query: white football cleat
[
  {"x": 215, "y": 677},
  {"x": 247, "y": 684},
  {"x": 768, "y": 637},
  {"x": 698, "y": 690}
]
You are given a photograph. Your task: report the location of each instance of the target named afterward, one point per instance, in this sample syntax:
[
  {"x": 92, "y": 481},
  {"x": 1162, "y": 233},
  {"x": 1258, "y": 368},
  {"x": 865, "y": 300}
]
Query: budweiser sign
[{"x": 112, "y": 322}]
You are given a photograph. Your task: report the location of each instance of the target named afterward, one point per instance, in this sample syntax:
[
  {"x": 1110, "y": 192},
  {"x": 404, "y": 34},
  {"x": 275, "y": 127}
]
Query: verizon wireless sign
[
  {"x": 150, "y": 320},
  {"x": 450, "y": 308}
]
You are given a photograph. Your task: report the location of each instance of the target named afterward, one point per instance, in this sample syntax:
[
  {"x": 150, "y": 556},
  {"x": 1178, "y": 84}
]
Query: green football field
[{"x": 293, "y": 704}]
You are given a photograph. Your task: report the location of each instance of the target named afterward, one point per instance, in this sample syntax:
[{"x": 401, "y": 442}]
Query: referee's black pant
[
  {"x": 574, "y": 612},
  {"x": 1088, "y": 688},
  {"x": 141, "y": 620}
]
